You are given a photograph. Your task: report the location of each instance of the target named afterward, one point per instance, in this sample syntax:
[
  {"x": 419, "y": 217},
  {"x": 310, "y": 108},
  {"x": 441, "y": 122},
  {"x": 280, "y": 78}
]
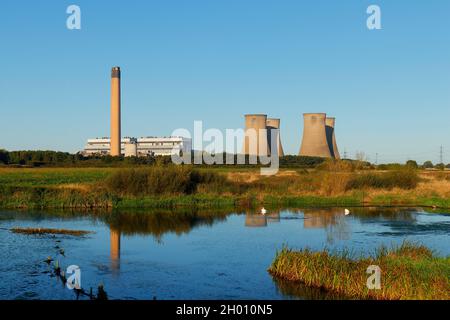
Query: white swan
[
  {"x": 346, "y": 212},
  {"x": 263, "y": 211}
]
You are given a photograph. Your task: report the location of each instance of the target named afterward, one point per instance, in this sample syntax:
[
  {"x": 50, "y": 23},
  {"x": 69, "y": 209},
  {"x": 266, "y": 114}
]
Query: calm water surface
[{"x": 195, "y": 255}]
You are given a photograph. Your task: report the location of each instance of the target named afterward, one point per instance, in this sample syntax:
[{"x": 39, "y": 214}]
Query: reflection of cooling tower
[
  {"x": 331, "y": 138},
  {"x": 320, "y": 218},
  {"x": 314, "y": 143},
  {"x": 274, "y": 124},
  {"x": 273, "y": 217},
  {"x": 255, "y": 220},
  {"x": 255, "y": 140},
  {"x": 115, "y": 112}
]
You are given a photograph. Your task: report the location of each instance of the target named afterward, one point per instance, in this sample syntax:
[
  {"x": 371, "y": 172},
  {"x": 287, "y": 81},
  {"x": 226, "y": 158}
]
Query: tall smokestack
[
  {"x": 255, "y": 140},
  {"x": 274, "y": 124},
  {"x": 115, "y": 112},
  {"x": 331, "y": 138},
  {"x": 314, "y": 143}
]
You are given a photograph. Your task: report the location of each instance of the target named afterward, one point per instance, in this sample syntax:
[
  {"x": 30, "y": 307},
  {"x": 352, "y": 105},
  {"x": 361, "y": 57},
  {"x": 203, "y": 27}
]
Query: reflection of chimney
[
  {"x": 255, "y": 220},
  {"x": 274, "y": 124},
  {"x": 115, "y": 249},
  {"x": 115, "y": 112}
]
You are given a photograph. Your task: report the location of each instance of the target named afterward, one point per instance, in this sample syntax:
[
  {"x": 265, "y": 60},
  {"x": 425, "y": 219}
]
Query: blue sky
[{"x": 215, "y": 60}]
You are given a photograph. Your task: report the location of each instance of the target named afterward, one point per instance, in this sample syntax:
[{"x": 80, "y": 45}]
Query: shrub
[
  {"x": 337, "y": 166},
  {"x": 159, "y": 180},
  {"x": 404, "y": 179},
  {"x": 412, "y": 164},
  {"x": 428, "y": 165}
]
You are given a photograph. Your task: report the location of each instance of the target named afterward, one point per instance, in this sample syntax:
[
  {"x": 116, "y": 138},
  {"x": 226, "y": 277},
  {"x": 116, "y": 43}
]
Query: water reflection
[
  {"x": 115, "y": 250},
  {"x": 332, "y": 220},
  {"x": 203, "y": 263},
  {"x": 258, "y": 220},
  {"x": 289, "y": 289},
  {"x": 255, "y": 220},
  {"x": 158, "y": 223},
  {"x": 273, "y": 217}
]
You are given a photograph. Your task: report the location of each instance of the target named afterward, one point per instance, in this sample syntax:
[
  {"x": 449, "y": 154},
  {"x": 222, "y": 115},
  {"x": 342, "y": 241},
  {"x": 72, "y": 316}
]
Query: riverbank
[
  {"x": 42, "y": 198},
  {"x": 408, "y": 272},
  {"x": 172, "y": 187}
]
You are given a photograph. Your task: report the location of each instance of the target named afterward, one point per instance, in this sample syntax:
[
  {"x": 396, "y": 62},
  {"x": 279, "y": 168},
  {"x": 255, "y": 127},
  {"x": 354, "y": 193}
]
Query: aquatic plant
[{"x": 50, "y": 231}]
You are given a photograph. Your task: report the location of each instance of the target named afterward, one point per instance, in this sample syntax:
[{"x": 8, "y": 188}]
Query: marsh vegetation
[{"x": 167, "y": 185}]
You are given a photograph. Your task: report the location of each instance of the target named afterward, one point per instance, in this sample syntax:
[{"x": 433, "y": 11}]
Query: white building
[
  {"x": 156, "y": 146},
  {"x": 163, "y": 146}
]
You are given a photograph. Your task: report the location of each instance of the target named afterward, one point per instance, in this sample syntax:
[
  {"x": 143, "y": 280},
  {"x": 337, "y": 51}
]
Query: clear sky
[{"x": 215, "y": 60}]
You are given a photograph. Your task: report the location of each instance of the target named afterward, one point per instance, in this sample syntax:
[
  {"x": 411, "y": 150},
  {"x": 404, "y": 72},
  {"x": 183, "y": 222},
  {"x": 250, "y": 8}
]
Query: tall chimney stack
[{"x": 115, "y": 112}]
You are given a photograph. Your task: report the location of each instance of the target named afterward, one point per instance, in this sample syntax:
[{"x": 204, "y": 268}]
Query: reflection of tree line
[{"x": 157, "y": 223}]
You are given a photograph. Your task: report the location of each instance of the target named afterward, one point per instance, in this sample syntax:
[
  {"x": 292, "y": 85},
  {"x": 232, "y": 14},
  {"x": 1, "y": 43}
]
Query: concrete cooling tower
[
  {"x": 331, "y": 138},
  {"x": 115, "y": 112},
  {"x": 314, "y": 143},
  {"x": 274, "y": 124},
  {"x": 255, "y": 139}
]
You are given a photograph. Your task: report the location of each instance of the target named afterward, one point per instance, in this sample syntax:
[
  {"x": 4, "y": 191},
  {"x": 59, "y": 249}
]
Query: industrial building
[
  {"x": 331, "y": 138},
  {"x": 274, "y": 124},
  {"x": 131, "y": 147},
  {"x": 258, "y": 135},
  {"x": 319, "y": 136},
  {"x": 140, "y": 147}
]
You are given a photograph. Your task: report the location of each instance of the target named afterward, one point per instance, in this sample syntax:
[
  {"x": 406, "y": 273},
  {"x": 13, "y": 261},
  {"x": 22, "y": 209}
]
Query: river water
[{"x": 195, "y": 254}]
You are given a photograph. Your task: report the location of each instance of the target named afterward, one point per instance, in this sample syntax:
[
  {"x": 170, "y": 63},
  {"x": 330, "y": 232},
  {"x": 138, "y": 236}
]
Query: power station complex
[
  {"x": 262, "y": 134},
  {"x": 131, "y": 147},
  {"x": 318, "y": 136}
]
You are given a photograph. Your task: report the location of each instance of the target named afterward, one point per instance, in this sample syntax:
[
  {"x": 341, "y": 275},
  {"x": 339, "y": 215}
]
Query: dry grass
[{"x": 76, "y": 186}]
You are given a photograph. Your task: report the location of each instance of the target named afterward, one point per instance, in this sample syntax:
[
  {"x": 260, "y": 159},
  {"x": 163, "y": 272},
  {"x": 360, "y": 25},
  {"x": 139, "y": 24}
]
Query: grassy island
[{"x": 408, "y": 272}]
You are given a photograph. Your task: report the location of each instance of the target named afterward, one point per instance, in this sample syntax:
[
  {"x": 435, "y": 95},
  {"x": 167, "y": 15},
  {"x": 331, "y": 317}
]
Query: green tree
[
  {"x": 4, "y": 156},
  {"x": 412, "y": 164}
]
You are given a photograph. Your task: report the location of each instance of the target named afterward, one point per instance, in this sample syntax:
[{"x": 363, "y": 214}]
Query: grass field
[
  {"x": 43, "y": 177},
  {"x": 168, "y": 186}
]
